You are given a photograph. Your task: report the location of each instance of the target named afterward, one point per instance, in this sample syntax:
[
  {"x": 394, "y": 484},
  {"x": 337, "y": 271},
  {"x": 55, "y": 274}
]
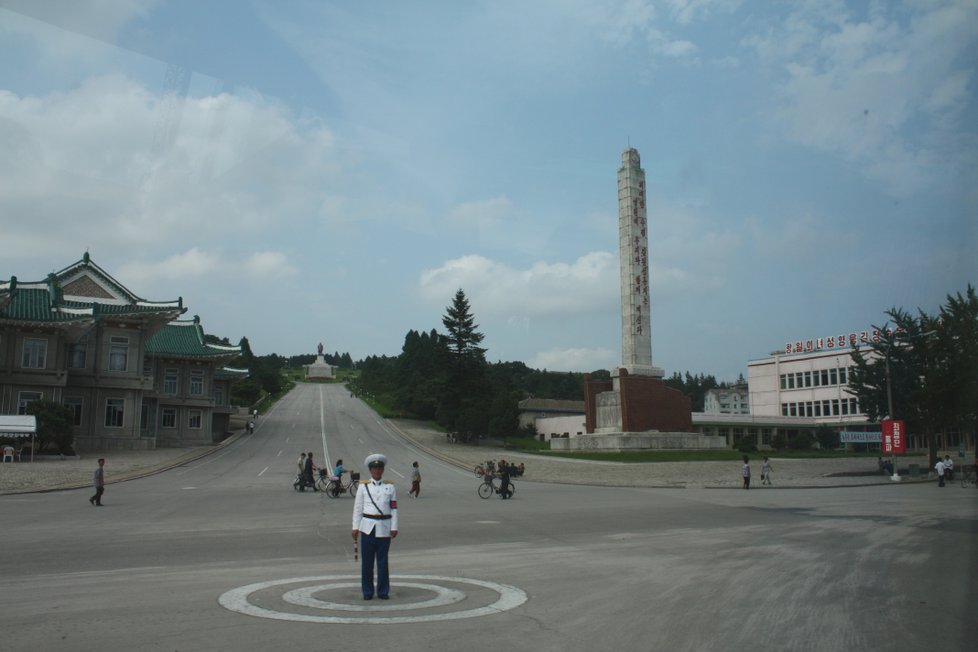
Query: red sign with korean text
[{"x": 894, "y": 436}]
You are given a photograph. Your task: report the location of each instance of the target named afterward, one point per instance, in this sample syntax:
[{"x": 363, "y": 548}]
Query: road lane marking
[
  {"x": 304, "y": 597},
  {"x": 262, "y": 471},
  {"x": 237, "y": 600}
]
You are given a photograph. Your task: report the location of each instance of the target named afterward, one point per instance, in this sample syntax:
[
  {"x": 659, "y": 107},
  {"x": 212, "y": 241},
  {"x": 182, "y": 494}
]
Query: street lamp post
[{"x": 889, "y": 403}]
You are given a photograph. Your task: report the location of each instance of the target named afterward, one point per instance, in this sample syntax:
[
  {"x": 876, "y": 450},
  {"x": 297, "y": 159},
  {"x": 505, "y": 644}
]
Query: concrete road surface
[{"x": 223, "y": 554}]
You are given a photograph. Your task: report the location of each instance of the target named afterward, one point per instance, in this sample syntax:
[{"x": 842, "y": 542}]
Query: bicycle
[
  {"x": 335, "y": 487},
  {"x": 968, "y": 477},
  {"x": 488, "y": 487},
  {"x": 488, "y": 468}
]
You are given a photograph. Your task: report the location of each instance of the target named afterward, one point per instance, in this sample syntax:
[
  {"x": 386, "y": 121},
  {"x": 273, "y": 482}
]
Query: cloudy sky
[{"x": 324, "y": 170}]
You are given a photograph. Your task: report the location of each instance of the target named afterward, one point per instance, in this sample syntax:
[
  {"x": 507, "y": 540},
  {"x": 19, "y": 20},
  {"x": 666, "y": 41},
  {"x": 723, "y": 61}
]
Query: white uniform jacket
[{"x": 384, "y": 494}]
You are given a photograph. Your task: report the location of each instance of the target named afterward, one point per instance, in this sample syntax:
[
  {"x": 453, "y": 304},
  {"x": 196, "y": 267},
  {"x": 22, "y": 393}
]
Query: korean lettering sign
[{"x": 894, "y": 436}]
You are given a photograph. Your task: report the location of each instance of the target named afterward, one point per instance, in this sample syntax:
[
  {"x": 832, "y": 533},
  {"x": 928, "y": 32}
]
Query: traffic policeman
[{"x": 375, "y": 523}]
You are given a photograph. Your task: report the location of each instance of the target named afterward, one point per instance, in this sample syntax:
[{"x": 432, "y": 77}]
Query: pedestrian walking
[
  {"x": 415, "y": 481},
  {"x": 375, "y": 525},
  {"x": 99, "y": 483},
  {"x": 308, "y": 477},
  {"x": 949, "y": 468},
  {"x": 745, "y": 471},
  {"x": 939, "y": 468},
  {"x": 766, "y": 472}
]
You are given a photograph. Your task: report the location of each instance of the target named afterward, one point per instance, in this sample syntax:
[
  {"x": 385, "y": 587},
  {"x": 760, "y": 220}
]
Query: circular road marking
[{"x": 237, "y": 600}]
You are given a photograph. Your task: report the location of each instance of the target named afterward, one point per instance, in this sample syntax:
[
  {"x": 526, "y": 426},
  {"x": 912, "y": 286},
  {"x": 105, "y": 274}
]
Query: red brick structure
[{"x": 646, "y": 404}]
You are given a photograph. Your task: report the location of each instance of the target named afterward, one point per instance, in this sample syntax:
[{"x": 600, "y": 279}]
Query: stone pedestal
[
  {"x": 319, "y": 369},
  {"x": 636, "y": 413},
  {"x": 634, "y": 404}
]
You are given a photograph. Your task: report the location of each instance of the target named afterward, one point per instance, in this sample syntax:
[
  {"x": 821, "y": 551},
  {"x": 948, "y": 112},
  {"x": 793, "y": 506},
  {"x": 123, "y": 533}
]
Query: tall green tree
[
  {"x": 463, "y": 336},
  {"x": 923, "y": 370},
  {"x": 463, "y": 404}
]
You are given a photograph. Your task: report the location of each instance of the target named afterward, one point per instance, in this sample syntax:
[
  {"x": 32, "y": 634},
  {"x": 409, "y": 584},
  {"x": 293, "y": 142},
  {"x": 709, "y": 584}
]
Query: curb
[{"x": 135, "y": 474}]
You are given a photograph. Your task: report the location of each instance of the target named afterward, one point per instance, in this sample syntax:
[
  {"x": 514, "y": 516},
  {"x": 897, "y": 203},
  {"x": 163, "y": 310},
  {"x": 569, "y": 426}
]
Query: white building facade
[{"x": 729, "y": 400}]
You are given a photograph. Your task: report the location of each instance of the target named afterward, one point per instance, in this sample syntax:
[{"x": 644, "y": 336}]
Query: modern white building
[{"x": 812, "y": 385}]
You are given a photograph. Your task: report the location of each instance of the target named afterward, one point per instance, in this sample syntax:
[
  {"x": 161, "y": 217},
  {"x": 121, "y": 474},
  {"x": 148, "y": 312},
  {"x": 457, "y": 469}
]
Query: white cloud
[
  {"x": 582, "y": 360},
  {"x": 197, "y": 264},
  {"x": 269, "y": 265},
  {"x": 494, "y": 289},
  {"x": 887, "y": 93},
  {"x": 129, "y": 166}
]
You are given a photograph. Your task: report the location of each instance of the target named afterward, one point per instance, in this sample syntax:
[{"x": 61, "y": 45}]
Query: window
[
  {"x": 115, "y": 409},
  {"x": 835, "y": 407},
  {"x": 834, "y": 376},
  {"x": 171, "y": 381},
  {"x": 791, "y": 381},
  {"x": 825, "y": 376},
  {"x": 76, "y": 355},
  {"x": 26, "y": 398},
  {"x": 118, "y": 354},
  {"x": 218, "y": 395},
  {"x": 74, "y": 405},
  {"x": 143, "y": 416},
  {"x": 808, "y": 409},
  {"x": 793, "y": 409},
  {"x": 197, "y": 382},
  {"x": 808, "y": 379},
  {"x": 818, "y": 409},
  {"x": 842, "y": 376},
  {"x": 784, "y": 409},
  {"x": 35, "y": 353},
  {"x": 148, "y": 367},
  {"x": 194, "y": 419},
  {"x": 168, "y": 417},
  {"x": 784, "y": 382},
  {"x": 845, "y": 406}
]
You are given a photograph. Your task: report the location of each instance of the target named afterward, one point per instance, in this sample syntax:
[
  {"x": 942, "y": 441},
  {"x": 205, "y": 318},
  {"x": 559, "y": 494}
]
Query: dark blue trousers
[{"x": 374, "y": 549}]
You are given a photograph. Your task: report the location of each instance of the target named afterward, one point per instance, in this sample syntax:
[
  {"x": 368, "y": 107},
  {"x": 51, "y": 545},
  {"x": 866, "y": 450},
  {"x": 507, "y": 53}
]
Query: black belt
[{"x": 377, "y": 517}]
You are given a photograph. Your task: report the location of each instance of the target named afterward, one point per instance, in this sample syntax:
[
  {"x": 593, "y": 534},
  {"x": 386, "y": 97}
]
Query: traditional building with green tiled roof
[
  {"x": 189, "y": 389},
  {"x": 83, "y": 339}
]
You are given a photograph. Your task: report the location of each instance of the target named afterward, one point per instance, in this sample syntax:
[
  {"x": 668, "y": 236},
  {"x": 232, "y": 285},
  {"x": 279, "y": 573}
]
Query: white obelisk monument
[{"x": 633, "y": 235}]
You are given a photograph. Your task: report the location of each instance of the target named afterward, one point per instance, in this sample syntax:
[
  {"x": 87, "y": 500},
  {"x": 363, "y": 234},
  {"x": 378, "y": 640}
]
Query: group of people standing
[
  {"x": 944, "y": 469},
  {"x": 765, "y": 472}
]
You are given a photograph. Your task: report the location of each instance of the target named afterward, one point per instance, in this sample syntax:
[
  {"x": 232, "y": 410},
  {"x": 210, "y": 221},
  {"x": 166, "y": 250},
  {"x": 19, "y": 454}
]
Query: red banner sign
[{"x": 894, "y": 436}]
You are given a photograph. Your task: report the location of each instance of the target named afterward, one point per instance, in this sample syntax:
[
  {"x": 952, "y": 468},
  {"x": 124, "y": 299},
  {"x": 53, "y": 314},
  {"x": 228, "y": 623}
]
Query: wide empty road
[{"x": 222, "y": 554}]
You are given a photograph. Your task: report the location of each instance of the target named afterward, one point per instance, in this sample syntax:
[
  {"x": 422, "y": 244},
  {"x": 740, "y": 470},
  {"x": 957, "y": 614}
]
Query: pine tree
[{"x": 463, "y": 338}]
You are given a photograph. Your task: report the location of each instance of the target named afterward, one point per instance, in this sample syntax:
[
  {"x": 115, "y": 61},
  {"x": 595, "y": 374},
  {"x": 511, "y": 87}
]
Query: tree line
[{"x": 923, "y": 370}]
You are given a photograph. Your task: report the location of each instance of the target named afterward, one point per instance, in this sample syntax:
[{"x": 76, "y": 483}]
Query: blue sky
[{"x": 334, "y": 171}]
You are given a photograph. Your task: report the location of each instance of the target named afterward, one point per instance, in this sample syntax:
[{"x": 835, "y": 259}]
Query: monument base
[
  {"x": 634, "y": 404},
  {"x": 630, "y": 441},
  {"x": 319, "y": 369}
]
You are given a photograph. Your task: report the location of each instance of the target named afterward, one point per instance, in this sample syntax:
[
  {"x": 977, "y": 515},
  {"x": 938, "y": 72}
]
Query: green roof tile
[{"x": 185, "y": 339}]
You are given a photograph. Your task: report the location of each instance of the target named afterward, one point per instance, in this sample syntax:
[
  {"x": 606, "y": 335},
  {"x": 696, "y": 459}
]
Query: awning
[{"x": 17, "y": 426}]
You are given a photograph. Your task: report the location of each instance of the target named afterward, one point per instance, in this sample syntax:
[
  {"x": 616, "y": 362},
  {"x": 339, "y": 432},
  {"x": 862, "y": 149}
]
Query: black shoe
[
  {"x": 91, "y": 500},
  {"x": 384, "y": 597},
  {"x": 368, "y": 597}
]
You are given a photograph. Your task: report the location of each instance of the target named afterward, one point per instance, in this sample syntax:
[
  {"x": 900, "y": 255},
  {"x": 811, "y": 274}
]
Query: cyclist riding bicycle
[{"x": 504, "y": 490}]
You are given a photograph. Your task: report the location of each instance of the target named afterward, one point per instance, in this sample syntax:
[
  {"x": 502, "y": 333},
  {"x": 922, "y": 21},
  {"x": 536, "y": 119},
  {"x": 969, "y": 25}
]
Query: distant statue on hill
[{"x": 320, "y": 348}]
